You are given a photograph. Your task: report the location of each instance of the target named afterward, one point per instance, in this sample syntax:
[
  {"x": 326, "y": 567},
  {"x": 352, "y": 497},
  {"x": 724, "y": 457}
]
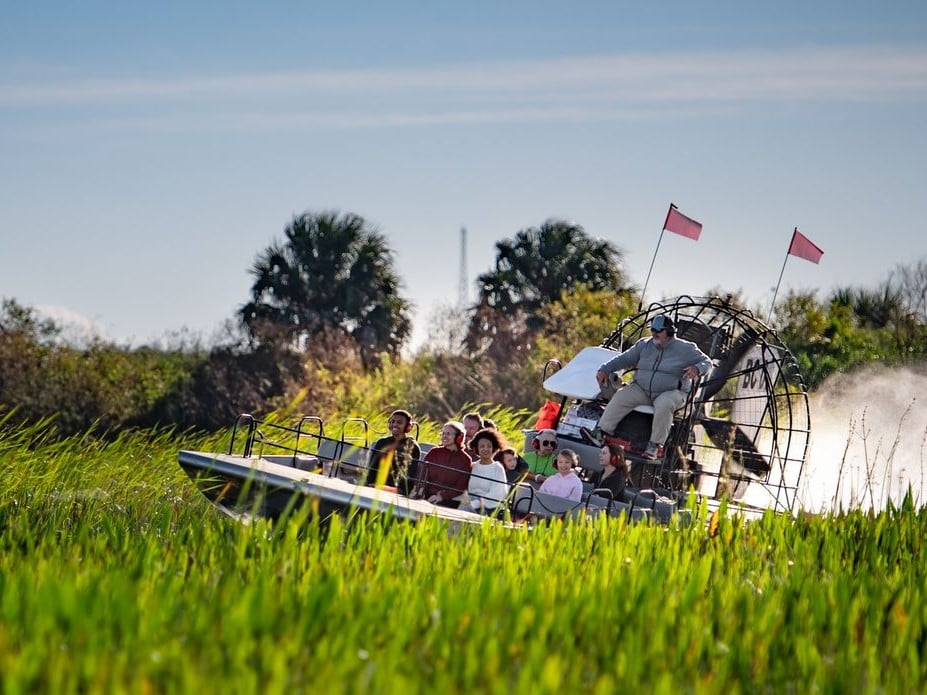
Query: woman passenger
[
  {"x": 488, "y": 487},
  {"x": 615, "y": 473},
  {"x": 446, "y": 469}
]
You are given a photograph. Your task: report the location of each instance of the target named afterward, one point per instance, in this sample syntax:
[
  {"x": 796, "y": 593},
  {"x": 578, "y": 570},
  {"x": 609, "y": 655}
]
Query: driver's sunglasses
[{"x": 548, "y": 442}]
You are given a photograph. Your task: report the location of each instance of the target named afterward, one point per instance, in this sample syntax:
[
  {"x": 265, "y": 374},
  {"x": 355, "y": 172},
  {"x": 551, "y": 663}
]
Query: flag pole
[
  {"x": 781, "y": 272},
  {"x": 647, "y": 281},
  {"x": 640, "y": 304}
]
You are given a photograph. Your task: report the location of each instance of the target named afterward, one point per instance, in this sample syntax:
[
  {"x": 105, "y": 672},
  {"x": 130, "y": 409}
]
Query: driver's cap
[{"x": 662, "y": 322}]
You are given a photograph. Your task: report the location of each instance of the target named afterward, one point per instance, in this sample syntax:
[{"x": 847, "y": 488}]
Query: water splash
[{"x": 869, "y": 440}]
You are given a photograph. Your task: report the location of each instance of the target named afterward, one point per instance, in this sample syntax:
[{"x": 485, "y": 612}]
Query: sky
[{"x": 150, "y": 151}]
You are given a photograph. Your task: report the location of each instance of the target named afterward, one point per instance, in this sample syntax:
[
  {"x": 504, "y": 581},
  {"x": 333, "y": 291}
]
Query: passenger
[
  {"x": 488, "y": 487},
  {"x": 666, "y": 366},
  {"x": 516, "y": 468},
  {"x": 542, "y": 460},
  {"x": 615, "y": 473},
  {"x": 473, "y": 423},
  {"x": 403, "y": 470},
  {"x": 566, "y": 483},
  {"x": 446, "y": 472}
]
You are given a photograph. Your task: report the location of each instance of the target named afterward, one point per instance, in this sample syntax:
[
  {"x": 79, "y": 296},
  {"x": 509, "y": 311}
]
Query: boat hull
[{"x": 246, "y": 487}]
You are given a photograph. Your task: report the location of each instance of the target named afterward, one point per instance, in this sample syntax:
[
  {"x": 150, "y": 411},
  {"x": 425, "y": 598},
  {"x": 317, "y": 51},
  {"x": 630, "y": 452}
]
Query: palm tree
[
  {"x": 334, "y": 273},
  {"x": 877, "y": 308},
  {"x": 910, "y": 281},
  {"x": 532, "y": 271}
]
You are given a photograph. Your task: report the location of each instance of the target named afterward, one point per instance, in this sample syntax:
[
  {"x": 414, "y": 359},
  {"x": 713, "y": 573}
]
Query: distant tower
[{"x": 463, "y": 298}]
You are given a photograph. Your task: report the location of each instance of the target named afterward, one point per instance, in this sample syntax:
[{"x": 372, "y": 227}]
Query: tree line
[{"x": 325, "y": 324}]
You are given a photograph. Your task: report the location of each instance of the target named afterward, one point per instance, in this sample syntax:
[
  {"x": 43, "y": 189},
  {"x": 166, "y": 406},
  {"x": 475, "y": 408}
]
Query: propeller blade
[
  {"x": 719, "y": 375},
  {"x": 727, "y": 436}
]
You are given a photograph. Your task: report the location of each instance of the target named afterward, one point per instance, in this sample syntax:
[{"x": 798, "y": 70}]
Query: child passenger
[
  {"x": 565, "y": 483},
  {"x": 516, "y": 468}
]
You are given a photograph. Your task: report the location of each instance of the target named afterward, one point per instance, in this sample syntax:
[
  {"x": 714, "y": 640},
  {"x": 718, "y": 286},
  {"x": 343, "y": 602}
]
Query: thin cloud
[
  {"x": 583, "y": 88},
  {"x": 878, "y": 70},
  {"x": 298, "y": 121}
]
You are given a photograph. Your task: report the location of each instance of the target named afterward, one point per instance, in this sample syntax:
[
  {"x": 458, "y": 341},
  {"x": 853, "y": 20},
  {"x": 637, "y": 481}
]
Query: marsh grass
[
  {"x": 890, "y": 471},
  {"x": 116, "y": 576}
]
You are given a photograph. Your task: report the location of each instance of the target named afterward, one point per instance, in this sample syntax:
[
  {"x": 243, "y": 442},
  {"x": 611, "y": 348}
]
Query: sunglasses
[{"x": 548, "y": 442}]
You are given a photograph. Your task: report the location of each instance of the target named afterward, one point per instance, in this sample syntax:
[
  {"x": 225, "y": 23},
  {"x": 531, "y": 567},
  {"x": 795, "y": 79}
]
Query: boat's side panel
[{"x": 226, "y": 479}]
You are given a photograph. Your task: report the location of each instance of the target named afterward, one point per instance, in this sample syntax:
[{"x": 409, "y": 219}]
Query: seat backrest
[
  {"x": 539, "y": 504},
  {"x": 550, "y": 506},
  {"x": 650, "y": 501},
  {"x": 634, "y": 513},
  {"x": 353, "y": 459},
  {"x": 350, "y": 458},
  {"x": 664, "y": 509},
  {"x": 304, "y": 462},
  {"x": 520, "y": 504},
  {"x": 598, "y": 503},
  {"x": 330, "y": 449}
]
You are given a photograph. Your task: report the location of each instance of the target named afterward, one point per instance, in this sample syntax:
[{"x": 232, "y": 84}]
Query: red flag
[
  {"x": 680, "y": 224},
  {"x": 802, "y": 247}
]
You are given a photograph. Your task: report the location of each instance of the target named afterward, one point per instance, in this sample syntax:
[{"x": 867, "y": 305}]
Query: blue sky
[{"x": 148, "y": 153}]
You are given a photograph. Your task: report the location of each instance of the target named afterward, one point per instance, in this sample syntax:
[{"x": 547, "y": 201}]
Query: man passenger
[
  {"x": 403, "y": 469},
  {"x": 473, "y": 423}
]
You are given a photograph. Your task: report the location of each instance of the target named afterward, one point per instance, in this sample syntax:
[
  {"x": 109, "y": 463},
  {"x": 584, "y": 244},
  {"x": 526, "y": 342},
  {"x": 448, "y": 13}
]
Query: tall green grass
[{"x": 115, "y": 575}]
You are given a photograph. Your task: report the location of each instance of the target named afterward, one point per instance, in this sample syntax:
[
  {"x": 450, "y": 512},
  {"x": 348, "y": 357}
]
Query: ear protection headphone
[
  {"x": 662, "y": 322},
  {"x": 459, "y": 432},
  {"x": 406, "y": 416},
  {"x": 536, "y": 444},
  {"x": 615, "y": 459}
]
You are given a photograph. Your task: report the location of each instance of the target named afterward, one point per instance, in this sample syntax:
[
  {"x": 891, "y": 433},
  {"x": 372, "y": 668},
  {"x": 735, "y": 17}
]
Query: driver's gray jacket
[{"x": 660, "y": 369}]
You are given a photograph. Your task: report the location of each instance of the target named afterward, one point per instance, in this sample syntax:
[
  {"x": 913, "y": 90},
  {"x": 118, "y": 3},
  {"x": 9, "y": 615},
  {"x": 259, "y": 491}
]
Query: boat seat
[
  {"x": 633, "y": 513},
  {"x": 347, "y": 458},
  {"x": 597, "y": 504},
  {"x": 663, "y": 508},
  {"x": 520, "y": 502},
  {"x": 526, "y": 501},
  {"x": 543, "y": 506},
  {"x": 552, "y": 506},
  {"x": 304, "y": 462}
]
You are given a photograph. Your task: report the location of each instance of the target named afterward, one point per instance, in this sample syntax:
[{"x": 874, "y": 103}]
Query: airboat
[{"x": 740, "y": 440}]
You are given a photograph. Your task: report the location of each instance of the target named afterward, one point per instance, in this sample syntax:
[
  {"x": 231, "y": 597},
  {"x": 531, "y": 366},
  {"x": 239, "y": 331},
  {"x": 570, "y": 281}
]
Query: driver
[{"x": 666, "y": 366}]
